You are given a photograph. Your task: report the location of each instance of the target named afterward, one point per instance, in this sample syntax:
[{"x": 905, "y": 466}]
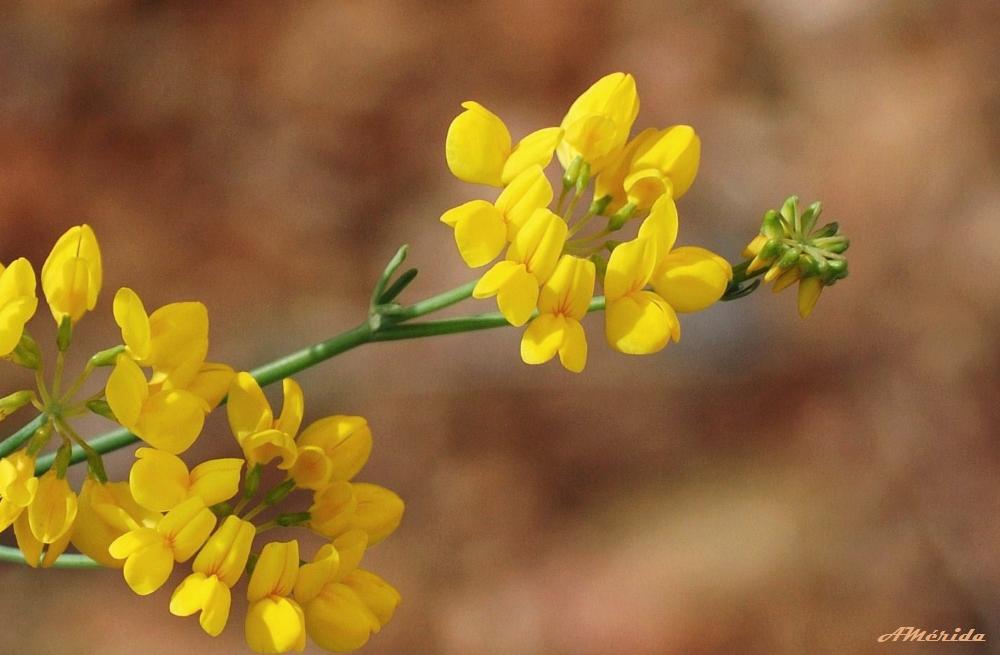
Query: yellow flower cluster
[
  {"x": 161, "y": 388},
  {"x": 551, "y": 266}
]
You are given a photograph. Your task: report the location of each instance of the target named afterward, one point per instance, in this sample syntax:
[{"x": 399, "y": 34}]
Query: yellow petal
[
  {"x": 518, "y": 296},
  {"x": 611, "y": 180},
  {"x": 332, "y": 511},
  {"x": 159, "y": 481},
  {"x": 676, "y": 154},
  {"x": 73, "y": 273},
  {"x": 629, "y": 268},
  {"x": 536, "y": 149},
  {"x": 104, "y": 513},
  {"x": 661, "y": 225},
  {"x": 570, "y": 288},
  {"x": 809, "y": 290},
  {"x": 126, "y": 391},
  {"x": 380, "y": 596},
  {"x": 480, "y": 232},
  {"x": 148, "y": 568},
  {"x": 323, "y": 568},
  {"x": 599, "y": 121},
  {"x": 491, "y": 281},
  {"x": 131, "y": 317},
  {"x": 216, "y": 480},
  {"x": 543, "y": 338},
  {"x": 28, "y": 544},
  {"x": 639, "y": 323},
  {"x": 477, "y": 145},
  {"x": 178, "y": 337},
  {"x": 275, "y": 625},
  {"x": 52, "y": 512},
  {"x": 133, "y": 541},
  {"x": 312, "y": 468},
  {"x": 645, "y": 186},
  {"x": 573, "y": 352},
  {"x": 378, "y": 512},
  {"x": 187, "y": 527},
  {"x": 209, "y": 595},
  {"x": 212, "y": 382},
  {"x": 541, "y": 246},
  {"x": 292, "y": 409},
  {"x": 226, "y": 552},
  {"x": 18, "y": 483},
  {"x": 17, "y": 303},
  {"x": 275, "y": 571},
  {"x": 529, "y": 191},
  {"x": 338, "y": 620},
  {"x": 351, "y": 546},
  {"x": 171, "y": 420},
  {"x": 691, "y": 279},
  {"x": 247, "y": 409},
  {"x": 346, "y": 440},
  {"x": 264, "y": 446}
]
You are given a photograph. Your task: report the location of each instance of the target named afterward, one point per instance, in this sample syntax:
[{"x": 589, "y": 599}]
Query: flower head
[{"x": 17, "y": 302}]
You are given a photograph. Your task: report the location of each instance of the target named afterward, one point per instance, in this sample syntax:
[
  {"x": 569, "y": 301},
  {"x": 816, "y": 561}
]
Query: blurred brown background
[{"x": 769, "y": 485}]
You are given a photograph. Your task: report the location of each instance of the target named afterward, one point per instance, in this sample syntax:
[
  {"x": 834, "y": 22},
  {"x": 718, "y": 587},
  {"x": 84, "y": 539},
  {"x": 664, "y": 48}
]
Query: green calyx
[{"x": 793, "y": 240}]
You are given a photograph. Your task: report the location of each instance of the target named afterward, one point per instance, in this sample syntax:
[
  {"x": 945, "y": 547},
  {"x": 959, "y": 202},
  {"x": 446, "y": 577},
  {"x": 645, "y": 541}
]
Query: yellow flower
[
  {"x": 253, "y": 424},
  {"x": 809, "y": 290},
  {"x": 166, "y": 418},
  {"x": 17, "y": 302},
  {"x": 482, "y": 229},
  {"x": 610, "y": 181},
  {"x": 598, "y": 123},
  {"x": 345, "y": 506},
  {"x": 150, "y": 552},
  {"x": 173, "y": 341},
  {"x": 217, "y": 568},
  {"x": 331, "y": 449},
  {"x": 562, "y": 303},
  {"x": 478, "y": 147},
  {"x": 637, "y": 322},
  {"x": 71, "y": 275},
  {"x": 160, "y": 481},
  {"x": 674, "y": 154},
  {"x": 689, "y": 278},
  {"x": 530, "y": 261},
  {"x": 18, "y": 486},
  {"x": 337, "y": 617},
  {"x": 275, "y": 623},
  {"x": 106, "y": 511}
]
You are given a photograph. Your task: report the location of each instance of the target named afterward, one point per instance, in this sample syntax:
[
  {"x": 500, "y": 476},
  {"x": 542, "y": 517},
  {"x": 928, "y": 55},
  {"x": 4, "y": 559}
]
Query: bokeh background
[{"x": 768, "y": 485}]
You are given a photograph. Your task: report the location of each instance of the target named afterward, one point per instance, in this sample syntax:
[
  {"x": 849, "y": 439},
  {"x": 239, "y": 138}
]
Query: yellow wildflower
[
  {"x": 17, "y": 302},
  {"x": 337, "y": 617},
  {"x": 598, "y": 122},
  {"x": 482, "y": 229},
  {"x": 562, "y": 303},
  {"x": 167, "y": 418},
  {"x": 150, "y": 552},
  {"x": 261, "y": 436},
  {"x": 478, "y": 147},
  {"x": 531, "y": 259},
  {"x": 637, "y": 321},
  {"x": 689, "y": 278},
  {"x": 71, "y": 275},
  {"x": 106, "y": 511},
  {"x": 334, "y": 448},
  {"x": 37, "y": 552},
  {"x": 275, "y": 623},
  {"x": 53, "y": 510},
  {"x": 217, "y": 568},
  {"x": 160, "y": 481}
]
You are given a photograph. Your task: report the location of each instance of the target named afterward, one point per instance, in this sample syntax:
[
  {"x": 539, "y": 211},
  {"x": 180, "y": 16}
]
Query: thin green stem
[
  {"x": 78, "y": 382},
  {"x": 16, "y": 440},
  {"x": 65, "y": 561},
  {"x": 58, "y": 375},
  {"x": 438, "y": 302}
]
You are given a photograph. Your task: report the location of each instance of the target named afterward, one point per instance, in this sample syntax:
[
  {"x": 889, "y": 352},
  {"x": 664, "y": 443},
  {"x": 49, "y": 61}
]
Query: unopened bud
[
  {"x": 27, "y": 353},
  {"x": 15, "y": 401}
]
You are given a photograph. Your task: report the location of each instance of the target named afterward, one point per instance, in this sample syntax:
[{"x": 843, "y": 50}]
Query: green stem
[
  {"x": 65, "y": 561},
  {"x": 14, "y": 441},
  {"x": 440, "y": 301}
]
